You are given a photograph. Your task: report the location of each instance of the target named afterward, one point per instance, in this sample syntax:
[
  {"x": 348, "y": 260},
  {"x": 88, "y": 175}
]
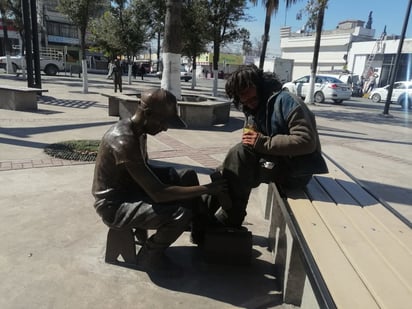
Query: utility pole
[{"x": 397, "y": 59}]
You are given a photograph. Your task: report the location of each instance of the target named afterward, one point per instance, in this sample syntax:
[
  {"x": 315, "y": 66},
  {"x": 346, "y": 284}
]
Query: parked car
[
  {"x": 184, "y": 75},
  {"x": 326, "y": 88},
  {"x": 401, "y": 94},
  {"x": 51, "y": 61},
  {"x": 354, "y": 81}
]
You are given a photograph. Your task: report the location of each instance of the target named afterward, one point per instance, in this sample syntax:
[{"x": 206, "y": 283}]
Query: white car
[
  {"x": 184, "y": 75},
  {"x": 401, "y": 94},
  {"x": 326, "y": 88}
]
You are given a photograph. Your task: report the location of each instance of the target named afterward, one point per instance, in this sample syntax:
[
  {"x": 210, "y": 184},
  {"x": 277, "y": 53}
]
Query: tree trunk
[
  {"x": 159, "y": 68},
  {"x": 216, "y": 54},
  {"x": 84, "y": 60},
  {"x": 194, "y": 68},
  {"x": 319, "y": 24},
  {"x": 172, "y": 46},
  {"x": 265, "y": 40}
]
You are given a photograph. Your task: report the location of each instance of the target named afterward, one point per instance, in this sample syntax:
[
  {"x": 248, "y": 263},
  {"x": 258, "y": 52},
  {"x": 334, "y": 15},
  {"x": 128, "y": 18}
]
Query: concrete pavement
[{"x": 53, "y": 242}]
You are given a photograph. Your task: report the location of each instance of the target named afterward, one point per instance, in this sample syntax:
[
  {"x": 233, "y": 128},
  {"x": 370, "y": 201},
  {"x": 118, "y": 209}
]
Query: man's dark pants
[
  {"x": 243, "y": 169},
  {"x": 169, "y": 220}
]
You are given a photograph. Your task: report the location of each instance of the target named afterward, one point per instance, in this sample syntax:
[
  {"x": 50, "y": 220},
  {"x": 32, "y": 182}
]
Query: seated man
[
  {"x": 131, "y": 193},
  {"x": 281, "y": 145}
]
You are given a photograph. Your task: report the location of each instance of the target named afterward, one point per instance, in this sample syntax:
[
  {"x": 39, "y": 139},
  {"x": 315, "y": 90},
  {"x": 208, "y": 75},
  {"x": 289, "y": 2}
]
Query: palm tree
[
  {"x": 272, "y": 7},
  {"x": 318, "y": 12}
]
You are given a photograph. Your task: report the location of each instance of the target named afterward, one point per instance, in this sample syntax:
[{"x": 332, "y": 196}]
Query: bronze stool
[{"x": 123, "y": 243}]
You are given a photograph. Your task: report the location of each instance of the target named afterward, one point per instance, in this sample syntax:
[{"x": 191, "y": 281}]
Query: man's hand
[{"x": 249, "y": 138}]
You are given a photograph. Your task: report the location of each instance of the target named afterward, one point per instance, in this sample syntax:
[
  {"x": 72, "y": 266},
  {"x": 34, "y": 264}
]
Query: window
[{"x": 64, "y": 30}]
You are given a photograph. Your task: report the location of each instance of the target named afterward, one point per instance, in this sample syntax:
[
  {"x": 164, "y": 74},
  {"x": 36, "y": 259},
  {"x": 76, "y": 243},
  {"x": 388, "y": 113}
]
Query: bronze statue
[{"x": 132, "y": 193}]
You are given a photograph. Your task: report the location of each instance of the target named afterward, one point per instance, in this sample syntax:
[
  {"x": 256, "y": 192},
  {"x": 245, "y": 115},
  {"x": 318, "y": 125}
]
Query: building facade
[
  {"x": 350, "y": 47},
  {"x": 55, "y": 31}
]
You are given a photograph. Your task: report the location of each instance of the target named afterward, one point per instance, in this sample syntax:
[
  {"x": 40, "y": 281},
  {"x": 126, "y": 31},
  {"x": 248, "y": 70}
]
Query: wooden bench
[
  {"x": 19, "y": 98},
  {"x": 337, "y": 246}
]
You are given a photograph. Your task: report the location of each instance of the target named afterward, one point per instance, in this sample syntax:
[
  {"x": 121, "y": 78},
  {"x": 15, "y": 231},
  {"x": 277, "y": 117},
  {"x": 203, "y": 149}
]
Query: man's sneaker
[{"x": 156, "y": 262}]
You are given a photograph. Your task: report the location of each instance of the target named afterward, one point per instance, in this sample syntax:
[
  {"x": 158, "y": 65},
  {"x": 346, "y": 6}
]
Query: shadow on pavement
[
  {"x": 344, "y": 134},
  {"x": 394, "y": 120},
  {"x": 47, "y": 100},
  {"x": 249, "y": 286},
  {"x": 16, "y": 142},
  {"x": 29, "y": 131}
]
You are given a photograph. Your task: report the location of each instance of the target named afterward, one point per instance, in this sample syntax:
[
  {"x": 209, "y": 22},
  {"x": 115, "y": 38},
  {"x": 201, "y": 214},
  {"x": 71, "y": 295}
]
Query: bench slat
[
  {"x": 399, "y": 231},
  {"x": 334, "y": 266},
  {"x": 392, "y": 251},
  {"x": 346, "y": 221}
]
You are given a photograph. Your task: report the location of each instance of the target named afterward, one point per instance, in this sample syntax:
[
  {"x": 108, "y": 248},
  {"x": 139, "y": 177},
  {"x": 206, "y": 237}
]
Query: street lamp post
[{"x": 397, "y": 59}]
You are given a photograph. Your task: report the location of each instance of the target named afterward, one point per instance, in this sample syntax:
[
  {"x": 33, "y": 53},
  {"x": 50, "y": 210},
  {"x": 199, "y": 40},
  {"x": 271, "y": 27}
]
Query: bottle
[{"x": 250, "y": 124}]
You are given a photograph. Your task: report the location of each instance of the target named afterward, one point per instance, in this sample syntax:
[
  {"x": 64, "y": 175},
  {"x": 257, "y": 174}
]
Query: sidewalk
[{"x": 53, "y": 242}]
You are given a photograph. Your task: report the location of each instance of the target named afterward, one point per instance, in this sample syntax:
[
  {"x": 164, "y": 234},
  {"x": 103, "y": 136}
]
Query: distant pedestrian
[
  {"x": 142, "y": 70},
  {"x": 110, "y": 68},
  {"x": 372, "y": 82},
  {"x": 117, "y": 75},
  {"x": 135, "y": 69}
]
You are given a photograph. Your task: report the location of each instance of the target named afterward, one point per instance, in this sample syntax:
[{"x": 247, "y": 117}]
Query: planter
[
  {"x": 203, "y": 111},
  {"x": 195, "y": 110}
]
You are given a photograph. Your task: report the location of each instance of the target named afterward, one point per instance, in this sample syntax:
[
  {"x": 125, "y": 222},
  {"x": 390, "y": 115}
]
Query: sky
[{"x": 389, "y": 13}]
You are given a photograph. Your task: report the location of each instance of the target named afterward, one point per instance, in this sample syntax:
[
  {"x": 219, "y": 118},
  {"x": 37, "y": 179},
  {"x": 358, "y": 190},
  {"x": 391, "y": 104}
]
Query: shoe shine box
[{"x": 226, "y": 245}]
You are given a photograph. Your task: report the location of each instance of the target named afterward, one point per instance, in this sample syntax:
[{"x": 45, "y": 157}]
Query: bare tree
[
  {"x": 195, "y": 31},
  {"x": 224, "y": 16},
  {"x": 3, "y": 10},
  {"x": 80, "y": 13}
]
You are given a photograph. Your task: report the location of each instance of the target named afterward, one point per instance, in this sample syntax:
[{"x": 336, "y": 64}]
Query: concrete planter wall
[
  {"x": 203, "y": 111},
  {"x": 195, "y": 110}
]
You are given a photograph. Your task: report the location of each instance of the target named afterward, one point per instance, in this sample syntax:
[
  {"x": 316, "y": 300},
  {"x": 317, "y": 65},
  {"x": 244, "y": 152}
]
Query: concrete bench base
[
  {"x": 19, "y": 98},
  {"x": 204, "y": 114},
  {"x": 196, "y": 111},
  {"x": 115, "y": 99}
]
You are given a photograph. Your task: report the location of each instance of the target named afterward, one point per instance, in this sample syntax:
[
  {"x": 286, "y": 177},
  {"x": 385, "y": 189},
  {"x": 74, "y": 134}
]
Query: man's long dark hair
[{"x": 251, "y": 76}]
